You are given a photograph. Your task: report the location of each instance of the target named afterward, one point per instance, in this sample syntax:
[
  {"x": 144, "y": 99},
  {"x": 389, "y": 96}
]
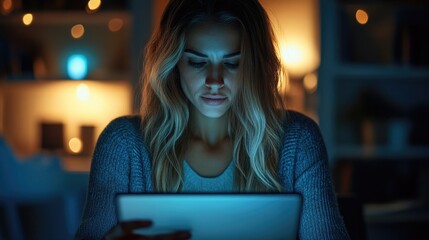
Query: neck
[{"x": 209, "y": 130}]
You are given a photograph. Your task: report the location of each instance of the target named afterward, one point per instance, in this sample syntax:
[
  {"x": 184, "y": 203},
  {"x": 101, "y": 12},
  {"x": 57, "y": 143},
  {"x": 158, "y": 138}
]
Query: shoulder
[
  {"x": 119, "y": 142},
  {"x": 124, "y": 124},
  {"x": 122, "y": 129},
  {"x": 301, "y": 133},
  {"x": 128, "y": 122},
  {"x": 298, "y": 123},
  {"x": 302, "y": 146}
]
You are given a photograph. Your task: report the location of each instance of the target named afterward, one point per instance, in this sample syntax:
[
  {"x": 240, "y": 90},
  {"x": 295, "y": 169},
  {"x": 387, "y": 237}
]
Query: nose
[{"x": 214, "y": 77}]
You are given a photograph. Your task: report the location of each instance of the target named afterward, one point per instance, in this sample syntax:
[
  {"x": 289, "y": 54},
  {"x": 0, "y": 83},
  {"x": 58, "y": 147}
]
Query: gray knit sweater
[{"x": 121, "y": 164}]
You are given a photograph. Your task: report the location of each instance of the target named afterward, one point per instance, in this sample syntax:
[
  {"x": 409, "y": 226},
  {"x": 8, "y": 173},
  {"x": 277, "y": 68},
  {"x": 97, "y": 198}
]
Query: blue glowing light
[{"x": 77, "y": 66}]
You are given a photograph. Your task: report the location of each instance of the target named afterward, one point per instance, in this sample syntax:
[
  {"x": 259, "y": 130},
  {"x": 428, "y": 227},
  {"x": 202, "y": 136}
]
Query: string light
[
  {"x": 310, "y": 82},
  {"x": 77, "y": 31},
  {"x": 93, "y": 5},
  {"x": 75, "y": 145},
  {"x": 6, "y": 7},
  {"x": 27, "y": 19},
  {"x": 115, "y": 24},
  {"x": 361, "y": 16}
]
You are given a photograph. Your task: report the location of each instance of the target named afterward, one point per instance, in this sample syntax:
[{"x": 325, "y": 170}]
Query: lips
[{"x": 213, "y": 99}]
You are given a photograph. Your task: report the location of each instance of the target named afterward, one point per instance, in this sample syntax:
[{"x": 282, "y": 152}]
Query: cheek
[
  {"x": 187, "y": 83},
  {"x": 183, "y": 73},
  {"x": 234, "y": 91},
  {"x": 234, "y": 84},
  {"x": 184, "y": 85},
  {"x": 190, "y": 80}
]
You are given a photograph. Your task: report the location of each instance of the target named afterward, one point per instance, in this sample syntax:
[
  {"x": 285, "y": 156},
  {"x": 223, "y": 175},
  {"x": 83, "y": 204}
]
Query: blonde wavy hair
[{"x": 255, "y": 120}]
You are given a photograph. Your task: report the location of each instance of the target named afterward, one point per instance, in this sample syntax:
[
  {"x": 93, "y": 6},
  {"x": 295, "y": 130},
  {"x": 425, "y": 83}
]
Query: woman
[{"x": 211, "y": 120}]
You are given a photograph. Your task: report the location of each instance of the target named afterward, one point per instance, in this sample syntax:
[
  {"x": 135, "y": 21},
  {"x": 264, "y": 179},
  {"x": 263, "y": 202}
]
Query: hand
[{"x": 127, "y": 230}]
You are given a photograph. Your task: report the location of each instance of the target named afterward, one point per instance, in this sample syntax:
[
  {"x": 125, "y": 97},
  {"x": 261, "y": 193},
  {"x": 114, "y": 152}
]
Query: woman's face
[{"x": 209, "y": 68}]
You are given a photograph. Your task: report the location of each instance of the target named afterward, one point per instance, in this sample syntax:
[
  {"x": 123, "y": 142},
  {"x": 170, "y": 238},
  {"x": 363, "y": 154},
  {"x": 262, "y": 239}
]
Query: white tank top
[{"x": 193, "y": 182}]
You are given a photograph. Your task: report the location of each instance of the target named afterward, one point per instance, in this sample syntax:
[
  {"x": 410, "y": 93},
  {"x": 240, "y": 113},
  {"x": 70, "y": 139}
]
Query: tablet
[{"x": 214, "y": 215}]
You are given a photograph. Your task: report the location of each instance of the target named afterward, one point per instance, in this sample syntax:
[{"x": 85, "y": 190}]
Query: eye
[
  {"x": 196, "y": 64},
  {"x": 231, "y": 65}
]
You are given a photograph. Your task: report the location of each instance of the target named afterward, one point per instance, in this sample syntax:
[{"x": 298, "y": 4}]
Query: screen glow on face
[{"x": 209, "y": 68}]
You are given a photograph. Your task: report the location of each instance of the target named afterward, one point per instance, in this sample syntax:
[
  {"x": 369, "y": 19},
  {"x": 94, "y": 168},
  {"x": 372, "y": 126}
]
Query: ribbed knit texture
[{"x": 121, "y": 164}]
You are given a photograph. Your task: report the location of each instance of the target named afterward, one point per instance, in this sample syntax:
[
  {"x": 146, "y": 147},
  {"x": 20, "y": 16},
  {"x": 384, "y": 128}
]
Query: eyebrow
[{"x": 205, "y": 56}]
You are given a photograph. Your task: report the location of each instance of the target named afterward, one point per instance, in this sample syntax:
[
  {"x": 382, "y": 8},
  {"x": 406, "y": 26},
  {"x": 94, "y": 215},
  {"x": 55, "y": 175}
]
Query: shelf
[
  {"x": 381, "y": 152},
  {"x": 396, "y": 212},
  {"x": 42, "y": 49},
  {"x": 68, "y": 17},
  {"x": 359, "y": 71}
]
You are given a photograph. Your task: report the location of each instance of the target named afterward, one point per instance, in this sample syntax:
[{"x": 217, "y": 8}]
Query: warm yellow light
[
  {"x": 94, "y": 4},
  {"x": 77, "y": 31},
  {"x": 82, "y": 92},
  {"x": 75, "y": 145},
  {"x": 310, "y": 82},
  {"x": 6, "y": 6},
  {"x": 27, "y": 19},
  {"x": 108, "y": 100},
  {"x": 295, "y": 58},
  {"x": 291, "y": 54},
  {"x": 283, "y": 84},
  {"x": 361, "y": 16},
  {"x": 115, "y": 24},
  {"x": 296, "y": 26}
]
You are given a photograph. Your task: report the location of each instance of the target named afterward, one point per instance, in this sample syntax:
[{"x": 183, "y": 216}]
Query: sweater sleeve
[
  {"x": 109, "y": 175},
  {"x": 320, "y": 217}
]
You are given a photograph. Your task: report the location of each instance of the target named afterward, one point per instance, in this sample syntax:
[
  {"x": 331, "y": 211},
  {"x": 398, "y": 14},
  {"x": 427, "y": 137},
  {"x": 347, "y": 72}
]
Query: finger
[{"x": 129, "y": 226}]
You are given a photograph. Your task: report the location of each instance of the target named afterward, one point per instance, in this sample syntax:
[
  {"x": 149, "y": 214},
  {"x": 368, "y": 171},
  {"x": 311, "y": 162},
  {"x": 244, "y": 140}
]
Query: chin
[{"x": 213, "y": 113}]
